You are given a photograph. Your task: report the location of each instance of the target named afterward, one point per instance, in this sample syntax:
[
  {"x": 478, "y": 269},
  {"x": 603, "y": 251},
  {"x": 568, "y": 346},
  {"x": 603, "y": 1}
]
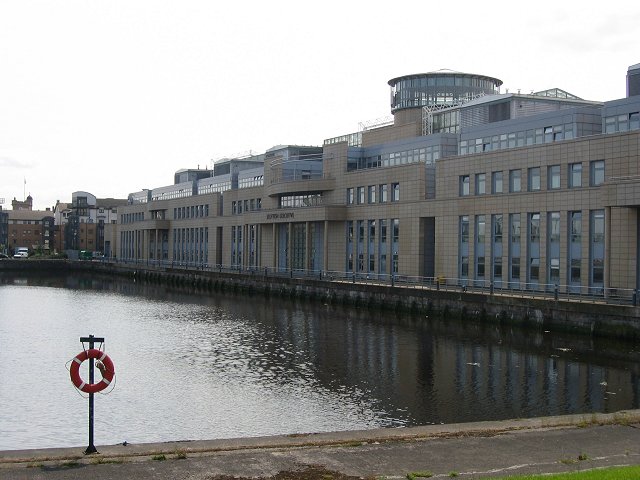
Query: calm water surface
[{"x": 218, "y": 366}]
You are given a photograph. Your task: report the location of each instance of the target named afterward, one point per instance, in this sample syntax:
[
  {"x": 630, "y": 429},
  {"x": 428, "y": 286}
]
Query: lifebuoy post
[{"x": 91, "y": 340}]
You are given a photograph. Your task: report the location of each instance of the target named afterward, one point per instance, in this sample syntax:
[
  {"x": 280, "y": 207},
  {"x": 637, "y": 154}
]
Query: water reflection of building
[
  {"x": 465, "y": 182},
  {"x": 430, "y": 371}
]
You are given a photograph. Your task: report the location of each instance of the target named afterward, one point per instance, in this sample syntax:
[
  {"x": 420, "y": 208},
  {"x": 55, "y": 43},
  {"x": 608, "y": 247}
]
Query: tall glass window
[
  {"x": 382, "y": 247},
  {"x": 515, "y": 181},
  {"x": 463, "y": 247},
  {"x": 349, "y": 263},
  {"x": 534, "y": 248},
  {"x": 479, "y": 249},
  {"x": 575, "y": 250},
  {"x": 496, "y": 249},
  {"x": 496, "y": 182},
  {"x": 464, "y": 185},
  {"x": 395, "y": 245},
  {"x": 534, "y": 179},
  {"x": 514, "y": 250},
  {"x": 597, "y": 173},
  {"x": 372, "y": 243},
  {"x": 575, "y": 175},
  {"x": 480, "y": 184},
  {"x": 553, "y": 248},
  {"x": 383, "y": 193},
  {"x": 361, "y": 197},
  {"x": 350, "y": 198},
  {"x": 395, "y": 192},
  {"x": 372, "y": 194},
  {"x": 360, "y": 232},
  {"x": 597, "y": 248},
  {"x": 553, "y": 177}
]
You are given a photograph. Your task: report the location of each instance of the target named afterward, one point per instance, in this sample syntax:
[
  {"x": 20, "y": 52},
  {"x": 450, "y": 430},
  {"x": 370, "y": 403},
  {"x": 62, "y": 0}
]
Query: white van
[{"x": 21, "y": 252}]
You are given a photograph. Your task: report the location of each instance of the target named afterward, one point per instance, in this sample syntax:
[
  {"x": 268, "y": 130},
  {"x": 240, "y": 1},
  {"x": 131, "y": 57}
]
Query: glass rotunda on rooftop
[{"x": 442, "y": 87}]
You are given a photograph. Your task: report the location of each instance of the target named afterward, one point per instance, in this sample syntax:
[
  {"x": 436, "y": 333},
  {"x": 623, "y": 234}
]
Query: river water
[{"x": 208, "y": 365}]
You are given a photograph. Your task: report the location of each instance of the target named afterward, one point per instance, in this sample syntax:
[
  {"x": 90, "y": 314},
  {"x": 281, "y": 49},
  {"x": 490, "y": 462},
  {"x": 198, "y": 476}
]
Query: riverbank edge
[
  {"x": 503, "y": 308},
  {"x": 348, "y": 439}
]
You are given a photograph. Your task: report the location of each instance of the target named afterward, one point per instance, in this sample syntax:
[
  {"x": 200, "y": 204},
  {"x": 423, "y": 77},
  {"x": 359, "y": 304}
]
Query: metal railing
[{"x": 553, "y": 292}]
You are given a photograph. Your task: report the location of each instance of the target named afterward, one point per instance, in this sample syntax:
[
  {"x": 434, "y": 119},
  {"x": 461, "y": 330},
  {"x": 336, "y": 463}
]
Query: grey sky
[{"x": 112, "y": 97}]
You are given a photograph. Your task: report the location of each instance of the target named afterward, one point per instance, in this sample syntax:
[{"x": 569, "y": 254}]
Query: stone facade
[{"x": 536, "y": 191}]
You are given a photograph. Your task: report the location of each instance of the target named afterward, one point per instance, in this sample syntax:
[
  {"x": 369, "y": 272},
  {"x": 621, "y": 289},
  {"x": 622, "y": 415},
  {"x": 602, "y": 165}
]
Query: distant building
[
  {"x": 29, "y": 228},
  {"x": 4, "y": 231},
  {"x": 82, "y": 222},
  {"x": 518, "y": 191}
]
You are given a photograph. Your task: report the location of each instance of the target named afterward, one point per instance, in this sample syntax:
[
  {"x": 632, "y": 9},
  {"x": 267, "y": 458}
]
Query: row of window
[
  {"x": 373, "y": 194},
  {"x": 622, "y": 123},
  {"x": 535, "y": 136},
  {"x": 237, "y": 245},
  {"x": 249, "y": 205},
  {"x": 178, "y": 193},
  {"x": 193, "y": 211},
  {"x": 489, "y": 249},
  {"x": 534, "y": 179},
  {"x": 191, "y": 245},
  {"x": 300, "y": 201},
  {"x": 256, "y": 181},
  {"x": 367, "y": 246},
  {"x": 131, "y": 217},
  {"x": 25, "y": 222},
  {"x": 427, "y": 155},
  {"x": 214, "y": 187}
]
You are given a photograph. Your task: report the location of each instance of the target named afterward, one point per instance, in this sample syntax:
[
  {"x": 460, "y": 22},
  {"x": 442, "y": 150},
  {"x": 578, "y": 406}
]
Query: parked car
[
  {"x": 3, "y": 255},
  {"x": 21, "y": 255}
]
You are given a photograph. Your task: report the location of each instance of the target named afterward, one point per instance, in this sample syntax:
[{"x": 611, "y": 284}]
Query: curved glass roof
[{"x": 442, "y": 87}]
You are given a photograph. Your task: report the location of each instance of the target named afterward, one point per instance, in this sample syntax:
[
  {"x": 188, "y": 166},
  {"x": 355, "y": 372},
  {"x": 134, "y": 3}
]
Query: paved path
[{"x": 472, "y": 450}]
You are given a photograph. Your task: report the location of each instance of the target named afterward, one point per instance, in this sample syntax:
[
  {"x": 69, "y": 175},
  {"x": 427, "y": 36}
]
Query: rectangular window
[
  {"x": 480, "y": 246},
  {"x": 360, "y": 195},
  {"x": 597, "y": 248},
  {"x": 553, "y": 248},
  {"x": 575, "y": 175},
  {"x": 350, "y": 197},
  {"x": 383, "y": 193},
  {"x": 480, "y": 184},
  {"x": 496, "y": 182},
  {"x": 597, "y": 173},
  {"x": 395, "y": 225},
  {"x": 372, "y": 243},
  {"x": 463, "y": 255},
  {"x": 575, "y": 247},
  {"x": 496, "y": 248},
  {"x": 534, "y": 247},
  {"x": 534, "y": 179},
  {"x": 553, "y": 177},
  {"x": 372, "y": 194},
  {"x": 514, "y": 181},
  {"x": 395, "y": 192},
  {"x": 464, "y": 185}
]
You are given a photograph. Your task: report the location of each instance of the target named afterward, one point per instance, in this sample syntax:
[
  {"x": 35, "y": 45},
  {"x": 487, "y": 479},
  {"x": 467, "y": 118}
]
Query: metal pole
[{"x": 91, "y": 339}]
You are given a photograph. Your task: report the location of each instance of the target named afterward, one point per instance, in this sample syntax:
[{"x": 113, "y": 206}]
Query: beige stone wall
[{"x": 621, "y": 192}]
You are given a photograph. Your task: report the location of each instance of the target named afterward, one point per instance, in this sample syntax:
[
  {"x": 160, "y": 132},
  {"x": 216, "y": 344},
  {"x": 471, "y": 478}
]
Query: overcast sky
[{"x": 111, "y": 97}]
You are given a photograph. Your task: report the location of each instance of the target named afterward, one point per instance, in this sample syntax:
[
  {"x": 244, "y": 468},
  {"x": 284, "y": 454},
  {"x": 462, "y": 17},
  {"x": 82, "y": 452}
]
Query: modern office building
[{"x": 468, "y": 183}]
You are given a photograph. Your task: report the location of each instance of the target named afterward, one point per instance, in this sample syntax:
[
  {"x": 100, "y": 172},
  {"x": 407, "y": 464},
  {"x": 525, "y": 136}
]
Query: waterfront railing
[{"x": 550, "y": 291}]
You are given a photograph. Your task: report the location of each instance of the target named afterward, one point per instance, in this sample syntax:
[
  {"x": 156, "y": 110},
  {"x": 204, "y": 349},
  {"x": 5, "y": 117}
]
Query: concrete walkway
[{"x": 471, "y": 450}]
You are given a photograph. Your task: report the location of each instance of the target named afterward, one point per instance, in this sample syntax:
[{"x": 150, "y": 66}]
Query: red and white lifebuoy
[{"x": 107, "y": 372}]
